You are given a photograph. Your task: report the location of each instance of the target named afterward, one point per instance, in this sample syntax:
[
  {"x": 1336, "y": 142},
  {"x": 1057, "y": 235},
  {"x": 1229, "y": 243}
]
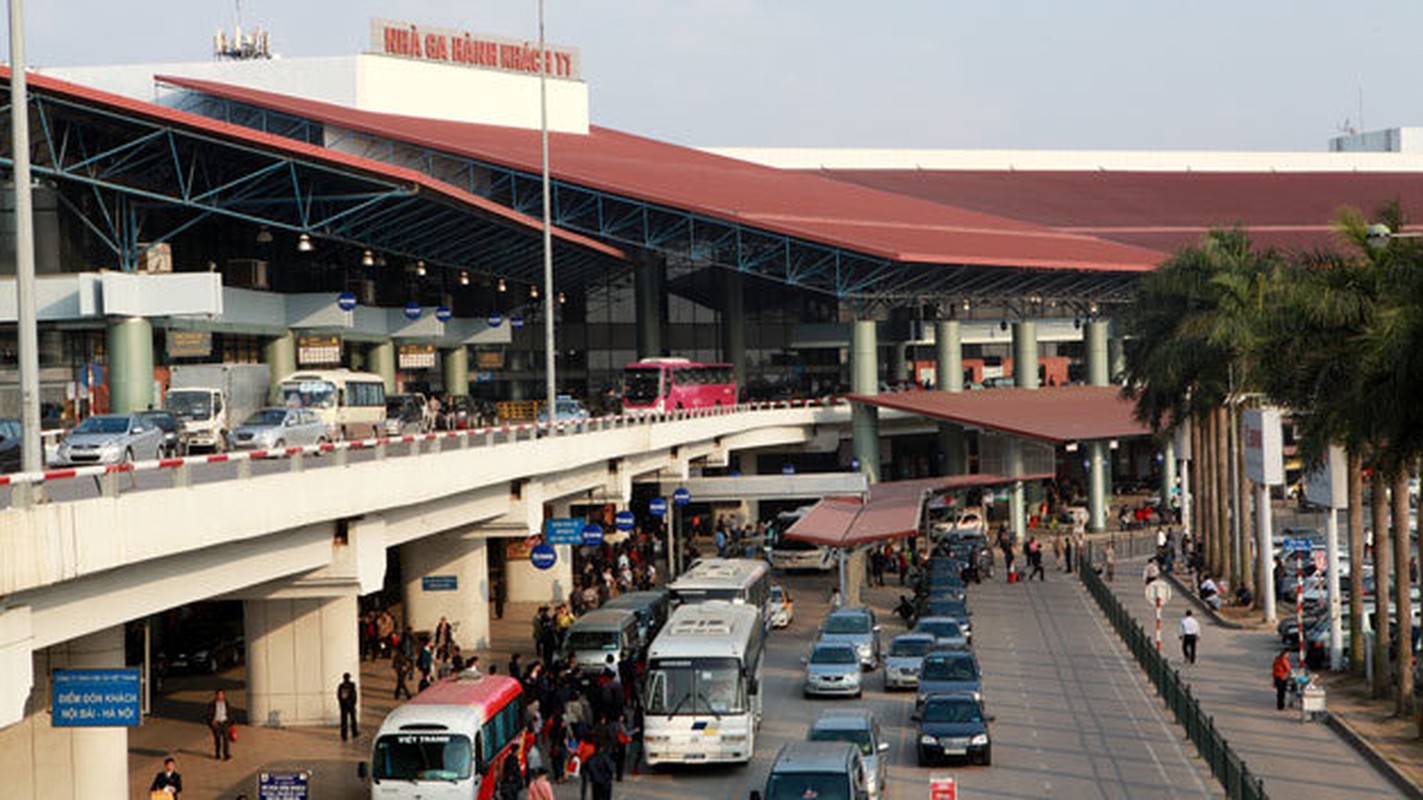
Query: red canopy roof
[
  {"x": 891, "y": 510},
  {"x": 836, "y": 213},
  {"x": 1055, "y": 414}
]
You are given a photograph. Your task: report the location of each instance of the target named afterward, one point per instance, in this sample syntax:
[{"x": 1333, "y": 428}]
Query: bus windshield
[
  {"x": 695, "y": 686},
  {"x": 592, "y": 640},
  {"x": 642, "y": 385},
  {"x": 803, "y": 785},
  {"x": 309, "y": 394},
  {"x": 422, "y": 757}
]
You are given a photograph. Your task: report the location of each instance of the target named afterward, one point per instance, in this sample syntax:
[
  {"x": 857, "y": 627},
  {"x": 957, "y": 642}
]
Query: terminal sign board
[
  {"x": 284, "y": 786},
  {"x": 477, "y": 50},
  {"x": 563, "y": 530},
  {"x": 315, "y": 350},
  {"x": 1264, "y": 446},
  {"x": 417, "y": 356},
  {"x": 95, "y": 698}
]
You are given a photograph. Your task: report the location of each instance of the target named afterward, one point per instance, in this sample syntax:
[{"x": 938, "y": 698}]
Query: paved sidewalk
[{"x": 1231, "y": 679}]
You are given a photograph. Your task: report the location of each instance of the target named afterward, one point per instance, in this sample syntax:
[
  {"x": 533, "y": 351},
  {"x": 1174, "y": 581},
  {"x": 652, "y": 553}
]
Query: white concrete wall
[
  {"x": 332, "y": 79},
  {"x": 297, "y": 650},
  {"x": 465, "y": 555}
]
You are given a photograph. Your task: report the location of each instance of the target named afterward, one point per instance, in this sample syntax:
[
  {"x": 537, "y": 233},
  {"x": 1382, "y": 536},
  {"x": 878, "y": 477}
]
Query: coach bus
[
  {"x": 449, "y": 741},
  {"x": 667, "y": 384},
  {"x": 352, "y": 404},
  {"x": 735, "y": 580},
  {"x": 703, "y": 685}
]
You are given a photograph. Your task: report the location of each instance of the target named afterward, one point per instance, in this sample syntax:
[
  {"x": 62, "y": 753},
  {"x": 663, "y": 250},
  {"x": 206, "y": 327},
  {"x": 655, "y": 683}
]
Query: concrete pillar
[
  {"x": 1097, "y": 485},
  {"x": 297, "y": 649},
  {"x": 647, "y": 294},
  {"x": 1116, "y": 358},
  {"x": 456, "y": 364},
  {"x": 529, "y": 584},
  {"x": 1025, "y": 354},
  {"x": 864, "y": 380},
  {"x": 381, "y": 358},
  {"x": 279, "y": 354},
  {"x": 733, "y": 323},
  {"x": 854, "y": 576},
  {"x": 1017, "y": 497},
  {"x": 1094, "y": 340},
  {"x": 1168, "y": 472},
  {"x": 899, "y": 364},
  {"x": 130, "y": 353},
  {"x": 948, "y": 346},
  {"x": 462, "y": 555}
]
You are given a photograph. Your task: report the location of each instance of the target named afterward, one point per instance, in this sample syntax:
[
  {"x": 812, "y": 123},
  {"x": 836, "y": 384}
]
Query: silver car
[
  {"x": 947, "y": 631},
  {"x": 858, "y": 727},
  {"x": 273, "y": 428},
  {"x": 905, "y": 657},
  {"x": 110, "y": 439},
  {"x": 832, "y": 668},
  {"x": 855, "y": 627}
]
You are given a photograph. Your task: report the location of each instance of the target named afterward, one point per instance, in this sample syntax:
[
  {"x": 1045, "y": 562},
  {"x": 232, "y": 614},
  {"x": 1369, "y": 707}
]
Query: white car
[{"x": 782, "y": 607}]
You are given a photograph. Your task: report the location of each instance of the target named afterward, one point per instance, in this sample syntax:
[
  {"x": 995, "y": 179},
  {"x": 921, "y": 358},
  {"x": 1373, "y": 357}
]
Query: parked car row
[{"x": 936, "y": 659}]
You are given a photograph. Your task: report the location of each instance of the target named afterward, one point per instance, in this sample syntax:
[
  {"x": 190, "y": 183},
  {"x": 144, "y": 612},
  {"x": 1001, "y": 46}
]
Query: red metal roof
[
  {"x": 1054, "y": 414},
  {"x": 831, "y": 212},
  {"x": 1161, "y": 210},
  {"x": 483, "y": 693},
  {"x": 270, "y": 142}
]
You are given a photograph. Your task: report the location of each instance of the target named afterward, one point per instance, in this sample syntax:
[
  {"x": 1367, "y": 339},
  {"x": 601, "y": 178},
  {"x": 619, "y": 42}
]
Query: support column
[
  {"x": 948, "y": 377},
  {"x": 1266, "y": 562},
  {"x": 528, "y": 584},
  {"x": 899, "y": 366},
  {"x": 854, "y": 576},
  {"x": 1116, "y": 358},
  {"x": 648, "y": 298},
  {"x": 1098, "y": 366},
  {"x": 1017, "y": 500},
  {"x": 1097, "y": 485},
  {"x": 1168, "y": 472},
  {"x": 457, "y": 562},
  {"x": 1025, "y": 354},
  {"x": 297, "y": 650},
  {"x": 279, "y": 354},
  {"x": 733, "y": 323},
  {"x": 380, "y": 358},
  {"x": 130, "y": 352},
  {"x": 456, "y": 363},
  {"x": 864, "y": 380}
]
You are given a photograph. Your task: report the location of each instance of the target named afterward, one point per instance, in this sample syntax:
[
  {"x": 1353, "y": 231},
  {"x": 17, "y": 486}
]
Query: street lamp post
[
  {"x": 551, "y": 382},
  {"x": 28, "y": 333}
]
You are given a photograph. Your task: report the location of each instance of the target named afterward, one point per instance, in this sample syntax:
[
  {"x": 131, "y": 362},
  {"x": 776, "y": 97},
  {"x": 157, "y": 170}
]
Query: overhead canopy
[
  {"x": 1054, "y": 414},
  {"x": 890, "y": 511}
]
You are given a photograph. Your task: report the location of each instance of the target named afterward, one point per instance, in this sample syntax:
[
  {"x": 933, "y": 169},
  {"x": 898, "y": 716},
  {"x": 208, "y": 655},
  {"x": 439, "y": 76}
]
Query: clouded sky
[{"x": 1052, "y": 74}]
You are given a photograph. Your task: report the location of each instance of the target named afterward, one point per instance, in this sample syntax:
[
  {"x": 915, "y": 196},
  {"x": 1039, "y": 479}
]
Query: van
[
  {"x": 651, "y": 610},
  {"x": 816, "y": 769},
  {"x": 600, "y": 633}
]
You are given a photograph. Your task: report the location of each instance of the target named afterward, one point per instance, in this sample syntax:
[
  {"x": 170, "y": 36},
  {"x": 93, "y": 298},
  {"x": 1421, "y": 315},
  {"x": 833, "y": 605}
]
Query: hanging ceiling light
[
  {"x": 562, "y": 298},
  {"x": 420, "y": 268},
  {"x": 533, "y": 291},
  {"x": 303, "y": 244},
  {"x": 264, "y": 236},
  {"x": 464, "y": 277},
  {"x": 503, "y": 287},
  {"x": 368, "y": 259}
]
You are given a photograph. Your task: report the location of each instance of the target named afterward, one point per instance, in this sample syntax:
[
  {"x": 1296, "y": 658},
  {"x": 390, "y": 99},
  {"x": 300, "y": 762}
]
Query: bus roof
[
  {"x": 721, "y": 572},
  {"x": 469, "y": 688},
  {"x": 342, "y": 374},
  {"x": 711, "y": 629}
]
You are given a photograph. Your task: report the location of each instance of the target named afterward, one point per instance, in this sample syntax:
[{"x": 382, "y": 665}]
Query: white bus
[
  {"x": 738, "y": 580},
  {"x": 352, "y": 404},
  {"x": 703, "y": 687}
]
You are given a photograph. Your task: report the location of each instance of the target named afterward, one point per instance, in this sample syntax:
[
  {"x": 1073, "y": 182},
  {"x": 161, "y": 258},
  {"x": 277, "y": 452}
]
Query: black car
[
  {"x": 953, "y": 726},
  {"x": 10, "y": 438},
  {"x": 166, "y": 422}
]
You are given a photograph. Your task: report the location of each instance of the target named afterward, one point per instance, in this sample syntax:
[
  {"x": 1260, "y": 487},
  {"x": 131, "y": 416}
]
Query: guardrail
[
  {"x": 24, "y": 486},
  {"x": 1228, "y": 768}
]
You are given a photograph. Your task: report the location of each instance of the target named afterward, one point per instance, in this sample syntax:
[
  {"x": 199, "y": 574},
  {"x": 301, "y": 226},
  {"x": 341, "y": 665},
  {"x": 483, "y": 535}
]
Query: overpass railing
[
  {"x": 25, "y": 488},
  {"x": 1228, "y": 767}
]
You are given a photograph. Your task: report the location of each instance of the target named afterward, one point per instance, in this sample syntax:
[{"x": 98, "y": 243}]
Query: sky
[{"x": 1010, "y": 74}]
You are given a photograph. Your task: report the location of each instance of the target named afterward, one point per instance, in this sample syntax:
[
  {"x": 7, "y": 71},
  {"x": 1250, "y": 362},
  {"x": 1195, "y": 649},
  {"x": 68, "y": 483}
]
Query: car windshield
[
  {"x": 103, "y": 425},
  {"x": 847, "y": 623},
  {"x": 191, "y": 406},
  {"x": 948, "y": 669},
  {"x": 642, "y": 385},
  {"x": 940, "y": 628},
  {"x": 795, "y": 546},
  {"x": 695, "y": 686},
  {"x": 834, "y": 655},
  {"x": 309, "y": 394},
  {"x": 856, "y": 736},
  {"x": 951, "y": 711},
  {"x": 592, "y": 640},
  {"x": 266, "y": 417},
  {"x": 909, "y": 648},
  {"x": 946, "y": 607},
  {"x": 808, "y": 786},
  {"x": 422, "y": 756}
]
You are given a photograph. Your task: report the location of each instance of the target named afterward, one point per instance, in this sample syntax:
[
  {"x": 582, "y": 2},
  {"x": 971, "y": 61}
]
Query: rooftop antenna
[{"x": 254, "y": 45}]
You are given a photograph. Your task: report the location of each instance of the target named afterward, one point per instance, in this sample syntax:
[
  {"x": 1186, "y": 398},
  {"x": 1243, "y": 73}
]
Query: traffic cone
[{"x": 1012, "y": 573}]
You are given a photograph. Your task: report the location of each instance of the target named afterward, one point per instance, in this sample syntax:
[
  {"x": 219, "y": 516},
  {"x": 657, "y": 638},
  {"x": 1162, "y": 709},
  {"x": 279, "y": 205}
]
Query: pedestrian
[
  {"x": 1111, "y": 556},
  {"x": 835, "y": 598},
  {"x": 1151, "y": 571},
  {"x": 1281, "y": 670},
  {"x": 496, "y": 588},
  {"x": 511, "y": 780},
  {"x": 1067, "y": 553},
  {"x": 346, "y": 700},
  {"x": 539, "y": 787},
  {"x": 219, "y": 719},
  {"x": 1190, "y": 634},
  {"x": 402, "y": 666},
  {"x": 1034, "y": 552},
  {"x": 168, "y": 780},
  {"x": 444, "y": 637},
  {"x": 600, "y": 773},
  {"x": 903, "y": 568},
  {"x": 630, "y": 742}
]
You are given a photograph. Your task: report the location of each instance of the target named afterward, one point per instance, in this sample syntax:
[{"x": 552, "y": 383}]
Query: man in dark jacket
[
  {"x": 599, "y": 773},
  {"x": 346, "y": 700}
]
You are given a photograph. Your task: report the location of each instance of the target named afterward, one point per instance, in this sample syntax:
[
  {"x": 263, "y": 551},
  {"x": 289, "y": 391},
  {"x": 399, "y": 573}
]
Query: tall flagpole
[
  {"x": 30, "y": 448},
  {"x": 551, "y": 387}
]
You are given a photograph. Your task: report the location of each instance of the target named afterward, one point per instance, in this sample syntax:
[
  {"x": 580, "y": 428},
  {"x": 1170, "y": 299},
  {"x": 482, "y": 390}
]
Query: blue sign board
[
  {"x": 439, "y": 583},
  {"x": 563, "y": 530},
  {"x": 592, "y": 534},
  {"x": 1298, "y": 545},
  {"x": 681, "y": 497},
  {"x": 412, "y": 311},
  {"x": 854, "y": 465},
  {"x": 95, "y": 698},
  {"x": 657, "y": 506},
  {"x": 443, "y": 313},
  {"x": 543, "y": 556},
  {"x": 788, "y": 468},
  {"x": 283, "y": 786},
  {"x": 494, "y": 320},
  {"x": 516, "y": 322},
  {"x": 346, "y": 301},
  {"x": 625, "y": 520}
]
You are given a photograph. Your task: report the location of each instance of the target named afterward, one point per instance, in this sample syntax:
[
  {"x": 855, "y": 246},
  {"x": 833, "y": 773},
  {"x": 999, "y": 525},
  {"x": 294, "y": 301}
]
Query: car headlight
[
  {"x": 927, "y": 739},
  {"x": 978, "y": 696},
  {"x": 980, "y": 739}
]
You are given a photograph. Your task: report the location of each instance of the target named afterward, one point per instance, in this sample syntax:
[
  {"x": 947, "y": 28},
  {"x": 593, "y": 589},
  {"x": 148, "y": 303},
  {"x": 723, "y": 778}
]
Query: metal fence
[{"x": 1228, "y": 768}]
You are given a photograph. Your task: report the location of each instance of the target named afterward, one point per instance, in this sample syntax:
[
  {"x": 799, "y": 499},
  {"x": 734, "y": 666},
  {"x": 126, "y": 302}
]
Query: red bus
[
  {"x": 450, "y": 740},
  {"x": 667, "y": 384}
]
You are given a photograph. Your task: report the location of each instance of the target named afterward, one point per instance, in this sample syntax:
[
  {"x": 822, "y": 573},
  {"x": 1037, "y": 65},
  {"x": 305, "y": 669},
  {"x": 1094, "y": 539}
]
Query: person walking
[
  {"x": 1190, "y": 635},
  {"x": 168, "y": 780},
  {"x": 402, "y": 666},
  {"x": 600, "y": 773},
  {"x": 1151, "y": 571},
  {"x": 1035, "y": 559},
  {"x": 1280, "y": 671},
  {"x": 539, "y": 787},
  {"x": 346, "y": 700},
  {"x": 219, "y": 720},
  {"x": 1111, "y": 556}
]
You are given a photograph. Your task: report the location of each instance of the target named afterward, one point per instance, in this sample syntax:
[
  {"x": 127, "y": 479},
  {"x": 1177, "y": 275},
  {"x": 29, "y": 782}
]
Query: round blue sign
[
  {"x": 412, "y": 311},
  {"x": 788, "y": 468},
  {"x": 592, "y": 534},
  {"x": 625, "y": 520},
  {"x": 543, "y": 556},
  {"x": 516, "y": 322},
  {"x": 346, "y": 301},
  {"x": 495, "y": 320},
  {"x": 681, "y": 497},
  {"x": 657, "y": 506},
  {"x": 854, "y": 465},
  {"x": 442, "y": 313}
]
